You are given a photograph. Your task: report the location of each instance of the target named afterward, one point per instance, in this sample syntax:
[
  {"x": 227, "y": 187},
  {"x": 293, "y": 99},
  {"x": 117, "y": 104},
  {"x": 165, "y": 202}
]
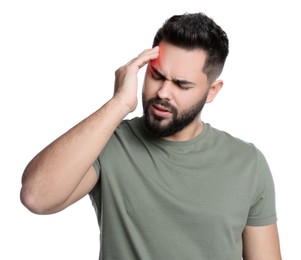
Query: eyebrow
[{"x": 177, "y": 81}]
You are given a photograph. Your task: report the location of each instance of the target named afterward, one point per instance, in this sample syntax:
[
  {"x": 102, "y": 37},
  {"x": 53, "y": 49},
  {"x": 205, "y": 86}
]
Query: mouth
[{"x": 160, "y": 110}]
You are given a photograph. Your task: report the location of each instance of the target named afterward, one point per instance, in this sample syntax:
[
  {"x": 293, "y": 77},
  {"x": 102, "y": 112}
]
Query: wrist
[{"x": 124, "y": 104}]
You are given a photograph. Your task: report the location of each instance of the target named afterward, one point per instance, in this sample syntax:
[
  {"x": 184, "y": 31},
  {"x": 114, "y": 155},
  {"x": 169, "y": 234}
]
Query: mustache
[{"x": 162, "y": 102}]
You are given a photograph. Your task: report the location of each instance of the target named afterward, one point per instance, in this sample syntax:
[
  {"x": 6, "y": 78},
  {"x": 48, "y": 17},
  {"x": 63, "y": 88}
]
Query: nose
[{"x": 165, "y": 89}]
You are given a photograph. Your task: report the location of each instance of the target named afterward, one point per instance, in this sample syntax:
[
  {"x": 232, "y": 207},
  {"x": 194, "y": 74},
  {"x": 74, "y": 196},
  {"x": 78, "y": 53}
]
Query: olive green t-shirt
[{"x": 166, "y": 200}]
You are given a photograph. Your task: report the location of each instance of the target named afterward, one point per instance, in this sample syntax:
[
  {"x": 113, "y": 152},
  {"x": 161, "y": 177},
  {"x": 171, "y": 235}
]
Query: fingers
[
  {"x": 126, "y": 79},
  {"x": 148, "y": 56},
  {"x": 145, "y": 57}
]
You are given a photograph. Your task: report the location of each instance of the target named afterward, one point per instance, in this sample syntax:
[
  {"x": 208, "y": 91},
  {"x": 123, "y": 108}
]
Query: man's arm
[
  {"x": 261, "y": 243},
  {"x": 62, "y": 173}
]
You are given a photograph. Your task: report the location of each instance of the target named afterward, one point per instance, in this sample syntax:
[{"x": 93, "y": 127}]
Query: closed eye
[
  {"x": 157, "y": 77},
  {"x": 182, "y": 84},
  {"x": 156, "y": 74}
]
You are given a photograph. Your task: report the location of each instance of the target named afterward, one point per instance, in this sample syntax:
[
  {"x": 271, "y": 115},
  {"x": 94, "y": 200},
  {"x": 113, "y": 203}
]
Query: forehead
[{"x": 178, "y": 62}]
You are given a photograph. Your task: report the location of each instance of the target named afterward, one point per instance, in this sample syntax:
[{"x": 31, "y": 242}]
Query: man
[{"x": 166, "y": 185}]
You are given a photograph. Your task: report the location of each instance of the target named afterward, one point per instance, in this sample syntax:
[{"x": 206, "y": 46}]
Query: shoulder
[
  {"x": 128, "y": 124},
  {"x": 230, "y": 142},
  {"x": 237, "y": 149},
  {"x": 127, "y": 132}
]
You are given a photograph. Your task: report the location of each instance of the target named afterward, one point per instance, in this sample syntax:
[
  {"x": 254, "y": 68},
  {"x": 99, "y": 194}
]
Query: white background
[{"x": 57, "y": 63}]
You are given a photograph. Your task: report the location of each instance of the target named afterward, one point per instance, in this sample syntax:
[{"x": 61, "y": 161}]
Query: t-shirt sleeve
[
  {"x": 96, "y": 166},
  {"x": 95, "y": 194},
  {"x": 110, "y": 144},
  {"x": 263, "y": 209}
]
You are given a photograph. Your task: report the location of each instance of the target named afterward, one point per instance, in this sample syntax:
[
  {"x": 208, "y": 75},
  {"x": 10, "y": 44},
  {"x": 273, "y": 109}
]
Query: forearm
[{"x": 54, "y": 174}]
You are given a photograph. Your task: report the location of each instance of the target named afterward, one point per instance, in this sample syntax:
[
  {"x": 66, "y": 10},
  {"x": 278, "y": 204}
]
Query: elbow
[
  {"x": 33, "y": 202},
  {"x": 30, "y": 201},
  {"x": 29, "y": 196},
  {"x": 32, "y": 195}
]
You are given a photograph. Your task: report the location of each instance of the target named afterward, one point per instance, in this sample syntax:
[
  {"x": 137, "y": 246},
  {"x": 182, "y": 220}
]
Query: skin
[
  {"x": 176, "y": 76},
  {"x": 261, "y": 243},
  {"x": 58, "y": 176}
]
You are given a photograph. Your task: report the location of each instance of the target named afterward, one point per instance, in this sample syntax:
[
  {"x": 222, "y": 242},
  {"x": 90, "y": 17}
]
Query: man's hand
[{"x": 126, "y": 79}]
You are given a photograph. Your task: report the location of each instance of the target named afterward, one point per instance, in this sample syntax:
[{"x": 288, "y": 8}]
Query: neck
[{"x": 188, "y": 133}]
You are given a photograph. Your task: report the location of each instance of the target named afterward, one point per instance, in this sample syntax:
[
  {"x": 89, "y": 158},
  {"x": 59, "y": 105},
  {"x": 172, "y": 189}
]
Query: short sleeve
[
  {"x": 263, "y": 209},
  {"x": 96, "y": 166},
  {"x": 95, "y": 193}
]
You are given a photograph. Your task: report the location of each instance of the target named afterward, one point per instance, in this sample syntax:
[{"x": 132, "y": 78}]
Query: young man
[{"x": 166, "y": 185}]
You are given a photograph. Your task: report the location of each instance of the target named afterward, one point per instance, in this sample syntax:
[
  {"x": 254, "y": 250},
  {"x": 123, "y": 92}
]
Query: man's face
[{"x": 175, "y": 90}]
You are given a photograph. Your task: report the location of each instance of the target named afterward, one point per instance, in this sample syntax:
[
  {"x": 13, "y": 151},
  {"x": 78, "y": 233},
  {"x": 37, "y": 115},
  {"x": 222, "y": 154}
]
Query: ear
[{"x": 214, "y": 88}]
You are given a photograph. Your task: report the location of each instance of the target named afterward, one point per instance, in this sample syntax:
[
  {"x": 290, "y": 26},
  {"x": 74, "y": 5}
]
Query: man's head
[
  {"x": 192, "y": 53},
  {"x": 197, "y": 31}
]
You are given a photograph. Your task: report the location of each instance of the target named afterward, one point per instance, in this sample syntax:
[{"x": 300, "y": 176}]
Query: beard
[{"x": 164, "y": 127}]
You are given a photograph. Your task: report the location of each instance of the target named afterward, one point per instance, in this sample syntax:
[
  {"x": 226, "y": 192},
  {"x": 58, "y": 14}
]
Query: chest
[{"x": 195, "y": 192}]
